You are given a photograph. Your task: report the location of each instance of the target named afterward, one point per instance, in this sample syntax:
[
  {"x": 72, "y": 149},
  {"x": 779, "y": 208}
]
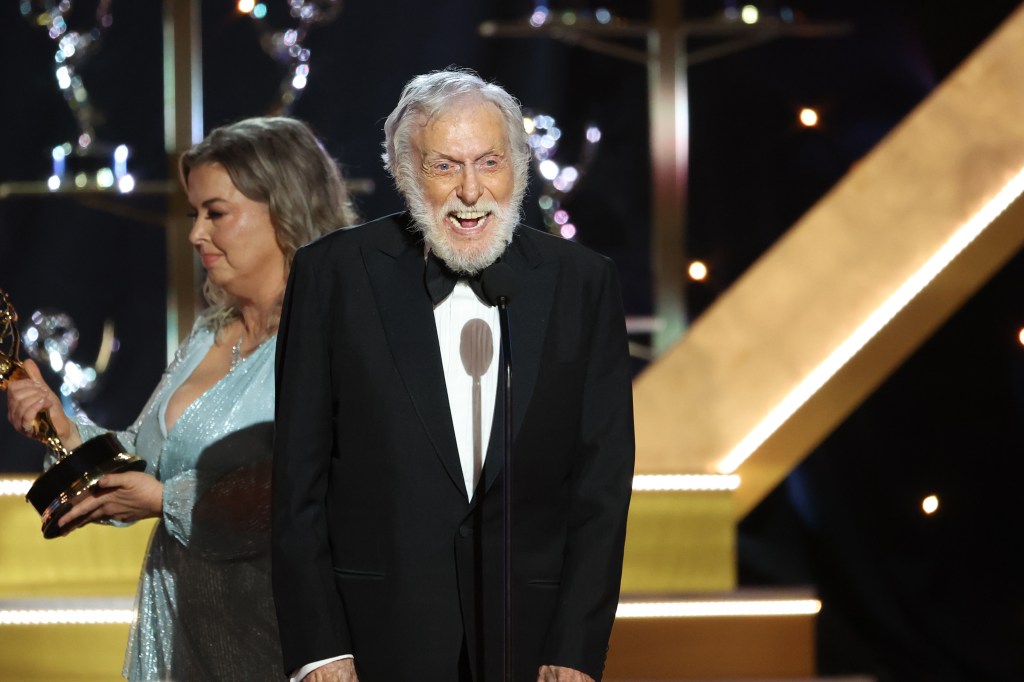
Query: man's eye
[
  {"x": 490, "y": 163},
  {"x": 443, "y": 167}
]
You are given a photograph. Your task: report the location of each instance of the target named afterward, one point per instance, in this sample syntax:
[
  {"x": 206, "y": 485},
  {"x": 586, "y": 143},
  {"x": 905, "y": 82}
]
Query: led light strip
[
  {"x": 703, "y": 609},
  {"x": 644, "y": 482},
  {"x": 84, "y": 611},
  {"x": 682, "y": 482},
  {"x": 872, "y": 325},
  {"x": 66, "y": 617},
  {"x": 14, "y": 486},
  {"x": 663, "y": 609}
]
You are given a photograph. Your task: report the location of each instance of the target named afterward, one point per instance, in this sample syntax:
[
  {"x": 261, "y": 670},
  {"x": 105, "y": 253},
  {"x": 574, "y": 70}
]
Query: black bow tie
[{"x": 440, "y": 280}]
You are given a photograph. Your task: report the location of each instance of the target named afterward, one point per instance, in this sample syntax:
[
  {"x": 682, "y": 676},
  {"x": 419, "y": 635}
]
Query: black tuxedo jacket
[{"x": 378, "y": 551}]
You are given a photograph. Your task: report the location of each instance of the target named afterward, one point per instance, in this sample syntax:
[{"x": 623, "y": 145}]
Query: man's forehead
[{"x": 467, "y": 129}]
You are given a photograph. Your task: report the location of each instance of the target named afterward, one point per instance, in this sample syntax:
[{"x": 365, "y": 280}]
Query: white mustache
[{"x": 456, "y": 206}]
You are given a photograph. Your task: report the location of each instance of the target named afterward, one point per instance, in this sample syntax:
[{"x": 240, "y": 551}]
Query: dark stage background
[{"x": 906, "y": 596}]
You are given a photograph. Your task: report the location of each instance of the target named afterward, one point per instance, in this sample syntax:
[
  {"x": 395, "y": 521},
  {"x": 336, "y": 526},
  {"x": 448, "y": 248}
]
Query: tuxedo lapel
[
  {"x": 396, "y": 270},
  {"x": 529, "y": 312}
]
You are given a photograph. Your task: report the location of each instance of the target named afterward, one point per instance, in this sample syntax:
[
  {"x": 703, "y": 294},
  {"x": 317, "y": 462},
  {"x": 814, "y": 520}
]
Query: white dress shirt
[{"x": 469, "y": 336}]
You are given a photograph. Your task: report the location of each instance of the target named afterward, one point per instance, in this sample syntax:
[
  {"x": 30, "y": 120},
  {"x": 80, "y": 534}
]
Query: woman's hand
[
  {"x": 27, "y": 396},
  {"x": 126, "y": 497}
]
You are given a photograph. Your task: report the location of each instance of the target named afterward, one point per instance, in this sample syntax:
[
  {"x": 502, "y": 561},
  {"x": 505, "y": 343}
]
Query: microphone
[
  {"x": 498, "y": 281},
  {"x": 476, "y": 347}
]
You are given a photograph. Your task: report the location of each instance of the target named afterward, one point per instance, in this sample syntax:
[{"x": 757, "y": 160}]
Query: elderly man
[{"x": 388, "y": 473}]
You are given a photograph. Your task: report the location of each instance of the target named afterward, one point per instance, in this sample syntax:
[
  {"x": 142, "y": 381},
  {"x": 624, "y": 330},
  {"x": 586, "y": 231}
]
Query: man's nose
[{"x": 469, "y": 189}]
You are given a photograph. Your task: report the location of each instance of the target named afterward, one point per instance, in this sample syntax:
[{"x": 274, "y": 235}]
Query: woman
[{"x": 259, "y": 189}]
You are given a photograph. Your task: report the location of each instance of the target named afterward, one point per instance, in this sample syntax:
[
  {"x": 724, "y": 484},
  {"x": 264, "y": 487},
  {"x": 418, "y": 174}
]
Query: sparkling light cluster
[
  {"x": 750, "y": 13},
  {"x": 543, "y": 15},
  {"x": 559, "y": 179},
  {"x": 287, "y": 46},
  {"x": 83, "y": 163},
  {"x": 50, "y": 340}
]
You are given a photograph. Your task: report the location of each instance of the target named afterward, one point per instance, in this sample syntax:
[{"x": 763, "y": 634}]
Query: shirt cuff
[{"x": 310, "y": 667}]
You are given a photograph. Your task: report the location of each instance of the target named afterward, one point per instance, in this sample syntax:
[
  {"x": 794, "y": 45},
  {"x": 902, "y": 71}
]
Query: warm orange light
[
  {"x": 698, "y": 271},
  {"x": 246, "y": 6},
  {"x": 808, "y": 117},
  {"x": 1020, "y": 336},
  {"x": 930, "y": 504},
  {"x": 880, "y": 317}
]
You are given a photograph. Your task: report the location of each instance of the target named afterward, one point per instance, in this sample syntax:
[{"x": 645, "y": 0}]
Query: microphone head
[{"x": 498, "y": 281}]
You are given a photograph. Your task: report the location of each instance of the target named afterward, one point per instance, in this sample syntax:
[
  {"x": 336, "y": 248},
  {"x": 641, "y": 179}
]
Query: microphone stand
[
  {"x": 498, "y": 282},
  {"x": 505, "y": 367}
]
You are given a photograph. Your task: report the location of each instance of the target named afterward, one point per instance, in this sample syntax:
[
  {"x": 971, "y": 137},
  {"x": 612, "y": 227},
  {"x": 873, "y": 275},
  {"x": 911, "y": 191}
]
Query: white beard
[{"x": 471, "y": 256}]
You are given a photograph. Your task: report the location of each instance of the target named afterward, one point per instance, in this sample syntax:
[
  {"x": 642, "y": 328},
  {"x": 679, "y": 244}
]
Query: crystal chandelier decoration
[
  {"x": 559, "y": 179},
  {"x": 288, "y": 45},
  {"x": 85, "y": 162},
  {"x": 51, "y": 337}
]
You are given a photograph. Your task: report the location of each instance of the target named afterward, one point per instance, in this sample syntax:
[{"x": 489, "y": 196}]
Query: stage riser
[
  {"x": 96, "y": 561},
  {"x": 680, "y": 541},
  {"x": 641, "y": 649},
  {"x": 62, "y": 653},
  {"x": 711, "y": 648}
]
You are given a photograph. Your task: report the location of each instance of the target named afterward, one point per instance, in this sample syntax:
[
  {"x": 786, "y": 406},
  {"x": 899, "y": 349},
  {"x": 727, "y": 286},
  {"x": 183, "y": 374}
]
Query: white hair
[{"x": 432, "y": 94}]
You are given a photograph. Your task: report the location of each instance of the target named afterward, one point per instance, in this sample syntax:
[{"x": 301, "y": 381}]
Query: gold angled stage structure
[
  {"x": 869, "y": 273},
  {"x": 800, "y": 340}
]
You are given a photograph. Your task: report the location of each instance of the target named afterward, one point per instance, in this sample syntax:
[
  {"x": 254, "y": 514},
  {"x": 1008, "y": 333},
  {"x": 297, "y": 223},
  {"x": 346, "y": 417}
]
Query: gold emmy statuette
[{"x": 74, "y": 475}]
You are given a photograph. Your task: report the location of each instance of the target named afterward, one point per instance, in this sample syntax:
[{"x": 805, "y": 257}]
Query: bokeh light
[{"x": 808, "y": 117}]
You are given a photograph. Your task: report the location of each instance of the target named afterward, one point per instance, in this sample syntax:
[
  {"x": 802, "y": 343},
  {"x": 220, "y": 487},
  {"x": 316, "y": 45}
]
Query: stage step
[
  {"x": 847, "y": 678},
  {"x": 744, "y": 634},
  {"x": 63, "y": 640},
  {"x": 66, "y": 603},
  {"x": 680, "y": 536},
  {"x": 95, "y": 561},
  {"x": 680, "y": 541}
]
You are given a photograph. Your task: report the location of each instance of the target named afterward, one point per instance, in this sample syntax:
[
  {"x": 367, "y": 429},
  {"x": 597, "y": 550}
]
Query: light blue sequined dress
[{"x": 204, "y": 609}]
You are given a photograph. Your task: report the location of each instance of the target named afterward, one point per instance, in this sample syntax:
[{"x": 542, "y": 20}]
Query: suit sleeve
[
  {"x": 310, "y": 612},
  {"x": 600, "y": 492}
]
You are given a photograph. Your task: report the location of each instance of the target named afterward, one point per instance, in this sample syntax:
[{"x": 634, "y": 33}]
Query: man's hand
[
  {"x": 343, "y": 670},
  {"x": 556, "y": 673}
]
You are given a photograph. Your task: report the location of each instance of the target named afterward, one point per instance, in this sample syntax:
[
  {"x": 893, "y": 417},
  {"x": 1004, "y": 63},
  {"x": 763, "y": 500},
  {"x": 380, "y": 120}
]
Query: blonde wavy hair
[{"x": 278, "y": 161}]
